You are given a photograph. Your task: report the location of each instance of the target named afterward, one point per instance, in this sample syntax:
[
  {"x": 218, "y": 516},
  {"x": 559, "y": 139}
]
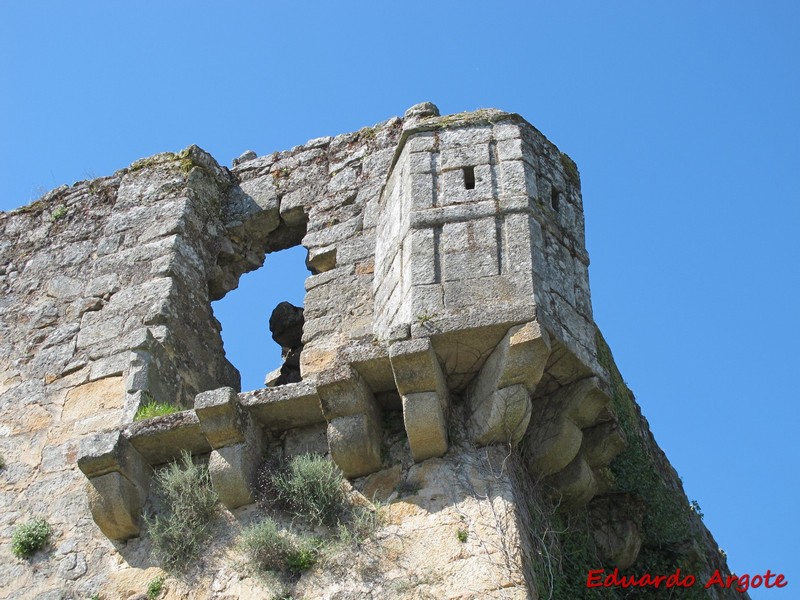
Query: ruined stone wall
[{"x": 448, "y": 336}]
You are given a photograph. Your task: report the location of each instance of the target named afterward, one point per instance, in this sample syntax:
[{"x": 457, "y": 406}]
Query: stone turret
[{"x": 449, "y": 289}]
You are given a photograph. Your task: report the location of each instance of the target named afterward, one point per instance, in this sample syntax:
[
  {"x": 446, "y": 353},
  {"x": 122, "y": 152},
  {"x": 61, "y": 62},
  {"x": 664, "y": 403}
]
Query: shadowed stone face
[{"x": 286, "y": 325}]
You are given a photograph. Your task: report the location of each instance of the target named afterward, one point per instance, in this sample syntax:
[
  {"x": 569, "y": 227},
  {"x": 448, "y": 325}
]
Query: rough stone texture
[
  {"x": 222, "y": 420},
  {"x": 449, "y": 277},
  {"x": 286, "y": 325},
  {"x": 426, "y": 424}
]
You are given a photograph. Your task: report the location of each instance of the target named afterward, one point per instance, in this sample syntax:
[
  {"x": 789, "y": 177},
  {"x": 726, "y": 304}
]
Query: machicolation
[{"x": 445, "y": 359}]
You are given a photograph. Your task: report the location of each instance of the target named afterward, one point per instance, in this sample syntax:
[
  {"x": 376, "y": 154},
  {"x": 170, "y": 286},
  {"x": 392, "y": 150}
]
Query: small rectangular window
[
  {"x": 469, "y": 178},
  {"x": 554, "y": 198}
]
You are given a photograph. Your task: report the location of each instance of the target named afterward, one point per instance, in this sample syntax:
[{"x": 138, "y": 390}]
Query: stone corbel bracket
[
  {"x": 226, "y": 425},
  {"x": 354, "y": 421},
  {"x": 499, "y": 398},
  {"x": 421, "y": 383},
  {"x": 119, "y": 481},
  {"x": 236, "y": 442},
  {"x": 574, "y": 437}
]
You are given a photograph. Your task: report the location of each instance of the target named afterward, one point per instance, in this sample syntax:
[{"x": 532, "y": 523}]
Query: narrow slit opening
[
  {"x": 469, "y": 178},
  {"x": 554, "y": 200}
]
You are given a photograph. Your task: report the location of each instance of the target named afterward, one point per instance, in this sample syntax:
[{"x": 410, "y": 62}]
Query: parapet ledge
[
  {"x": 483, "y": 116},
  {"x": 284, "y": 407},
  {"x": 161, "y": 439}
]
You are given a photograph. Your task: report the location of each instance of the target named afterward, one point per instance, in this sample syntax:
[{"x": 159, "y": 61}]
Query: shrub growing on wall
[
  {"x": 30, "y": 537},
  {"x": 274, "y": 550},
  {"x": 188, "y": 505},
  {"x": 311, "y": 488}
]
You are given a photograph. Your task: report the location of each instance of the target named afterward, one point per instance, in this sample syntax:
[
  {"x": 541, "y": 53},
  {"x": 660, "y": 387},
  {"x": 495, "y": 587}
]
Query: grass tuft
[
  {"x": 154, "y": 588},
  {"x": 151, "y": 409}
]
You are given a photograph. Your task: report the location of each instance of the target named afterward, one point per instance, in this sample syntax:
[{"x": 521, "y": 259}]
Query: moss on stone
[
  {"x": 570, "y": 170},
  {"x": 152, "y": 161}
]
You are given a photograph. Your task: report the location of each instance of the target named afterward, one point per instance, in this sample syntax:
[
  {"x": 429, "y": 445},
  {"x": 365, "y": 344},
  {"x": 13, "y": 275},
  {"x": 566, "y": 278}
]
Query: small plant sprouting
[
  {"x": 30, "y": 537},
  {"x": 186, "y": 162},
  {"x": 462, "y": 535},
  {"x": 302, "y": 557},
  {"x": 367, "y": 133},
  {"x": 2, "y": 462},
  {"x": 695, "y": 506},
  {"x": 424, "y": 318},
  {"x": 282, "y": 173},
  {"x": 154, "y": 588},
  {"x": 152, "y": 409},
  {"x": 59, "y": 213}
]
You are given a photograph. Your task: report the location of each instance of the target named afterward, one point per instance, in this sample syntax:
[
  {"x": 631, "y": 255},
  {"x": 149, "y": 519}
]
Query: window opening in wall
[
  {"x": 245, "y": 316},
  {"x": 554, "y": 200},
  {"x": 469, "y": 178}
]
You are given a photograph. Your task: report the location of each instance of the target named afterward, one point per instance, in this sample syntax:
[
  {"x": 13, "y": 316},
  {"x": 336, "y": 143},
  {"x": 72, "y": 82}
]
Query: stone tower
[{"x": 449, "y": 289}]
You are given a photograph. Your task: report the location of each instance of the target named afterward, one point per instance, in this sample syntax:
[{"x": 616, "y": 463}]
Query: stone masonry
[{"x": 449, "y": 285}]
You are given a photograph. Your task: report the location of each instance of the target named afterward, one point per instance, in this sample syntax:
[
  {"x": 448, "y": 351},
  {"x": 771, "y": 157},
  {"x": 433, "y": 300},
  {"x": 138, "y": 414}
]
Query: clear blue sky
[{"x": 683, "y": 117}]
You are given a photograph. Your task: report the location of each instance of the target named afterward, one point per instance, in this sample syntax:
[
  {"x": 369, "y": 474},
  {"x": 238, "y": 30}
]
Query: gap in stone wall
[{"x": 245, "y": 311}]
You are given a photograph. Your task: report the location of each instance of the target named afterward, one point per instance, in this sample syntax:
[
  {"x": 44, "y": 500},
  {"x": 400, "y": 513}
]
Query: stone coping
[
  {"x": 161, "y": 439},
  {"x": 284, "y": 407}
]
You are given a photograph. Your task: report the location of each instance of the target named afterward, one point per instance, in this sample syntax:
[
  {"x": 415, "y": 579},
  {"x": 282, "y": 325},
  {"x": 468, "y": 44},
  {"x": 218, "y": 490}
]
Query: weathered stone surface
[
  {"x": 416, "y": 368},
  {"x": 355, "y": 443},
  {"x": 85, "y": 400},
  {"x": 616, "y": 526},
  {"x": 344, "y": 392},
  {"x": 286, "y": 325},
  {"x": 450, "y": 260},
  {"x": 311, "y": 439},
  {"x": 231, "y": 469},
  {"x": 221, "y": 419},
  {"x": 244, "y": 157},
  {"x": 553, "y": 441},
  {"x": 576, "y": 482},
  {"x": 504, "y": 417},
  {"x": 112, "y": 452},
  {"x": 499, "y": 396},
  {"x": 116, "y": 505},
  {"x": 582, "y": 401},
  {"x": 161, "y": 439},
  {"x": 284, "y": 407},
  {"x": 426, "y": 424},
  {"x": 602, "y": 443},
  {"x": 422, "y": 110}
]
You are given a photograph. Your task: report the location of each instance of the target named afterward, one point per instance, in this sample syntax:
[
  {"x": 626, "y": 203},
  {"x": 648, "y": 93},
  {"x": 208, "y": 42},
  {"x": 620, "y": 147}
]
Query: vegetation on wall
[
  {"x": 187, "y": 506},
  {"x": 154, "y": 588},
  {"x": 310, "y": 488},
  {"x": 309, "y": 492},
  {"x": 30, "y": 537},
  {"x": 564, "y": 548},
  {"x": 270, "y": 549},
  {"x": 153, "y": 408}
]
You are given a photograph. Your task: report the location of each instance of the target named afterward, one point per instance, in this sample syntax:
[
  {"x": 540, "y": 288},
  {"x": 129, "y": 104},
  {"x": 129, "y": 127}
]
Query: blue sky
[{"x": 682, "y": 116}]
